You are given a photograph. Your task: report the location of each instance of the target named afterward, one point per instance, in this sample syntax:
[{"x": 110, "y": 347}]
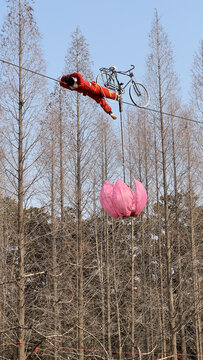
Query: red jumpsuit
[{"x": 92, "y": 89}]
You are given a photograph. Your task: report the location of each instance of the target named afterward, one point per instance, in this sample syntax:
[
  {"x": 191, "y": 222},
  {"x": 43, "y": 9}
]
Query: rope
[
  {"x": 122, "y": 135},
  {"x": 51, "y": 78},
  {"x": 32, "y": 71},
  {"x": 168, "y": 114}
]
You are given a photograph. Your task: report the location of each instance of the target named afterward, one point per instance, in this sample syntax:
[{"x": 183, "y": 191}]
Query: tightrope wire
[
  {"x": 168, "y": 114},
  {"x": 51, "y": 78},
  {"x": 32, "y": 71}
]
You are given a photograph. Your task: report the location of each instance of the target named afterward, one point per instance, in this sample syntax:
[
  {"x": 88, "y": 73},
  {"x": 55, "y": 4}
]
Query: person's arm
[
  {"x": 79, "y": 78},
  {"x": 63, "y": 83},
  {"x": 82, "y": 84}
]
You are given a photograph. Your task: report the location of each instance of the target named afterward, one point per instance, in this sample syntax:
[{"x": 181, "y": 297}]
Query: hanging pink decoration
[{"x": 120, "y": 201}]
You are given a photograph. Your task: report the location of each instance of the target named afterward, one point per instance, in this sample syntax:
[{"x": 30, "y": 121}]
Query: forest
[{"x": 74, "y": 282}]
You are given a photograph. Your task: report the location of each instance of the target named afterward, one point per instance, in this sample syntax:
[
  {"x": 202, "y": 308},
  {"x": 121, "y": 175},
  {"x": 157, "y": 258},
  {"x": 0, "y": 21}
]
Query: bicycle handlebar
[
  {"x": 112, "y": 69},
  {"x": 125, "y": 72}
]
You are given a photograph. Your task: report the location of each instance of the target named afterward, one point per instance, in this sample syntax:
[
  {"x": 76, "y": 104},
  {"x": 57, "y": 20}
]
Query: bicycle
[{"x": 138, "y": 93}]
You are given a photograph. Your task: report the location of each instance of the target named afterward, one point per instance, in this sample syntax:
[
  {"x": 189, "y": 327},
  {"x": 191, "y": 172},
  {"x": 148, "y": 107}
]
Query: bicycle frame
[
  {"x": 137, "y": 91},
  {"x": 132, "y": 80},
  {"x": 117, "y": 84}
]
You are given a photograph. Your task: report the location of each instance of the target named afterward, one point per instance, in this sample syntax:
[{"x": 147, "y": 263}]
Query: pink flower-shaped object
[{"x": 119, "y": 199}]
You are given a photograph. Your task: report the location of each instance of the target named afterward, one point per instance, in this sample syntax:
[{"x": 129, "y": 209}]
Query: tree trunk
[
  {"x": 61, "y": 163},
  {"x": 99, "y": 252},
  {"x": 166, "y": 220},
  {"x": 178, "y": 239},
  {"x": 194, "y": 256},
  {"x": 108, "y": 285},
  {"x": 143, "y": 251},
  {"x": 54, "y": 255},
  {"x": 107, "y": 245},
  {"x": 116, "y": 280},
  {"x": 3, "y": 287},
  {"x": 167, "y": 237},
  {"x": 162, "y": 312},
  {"x": 147, "y": 236},
  {"x": 101, "y": 279},
  {"x": 21, "y": 278},
  {"x": 132, "y": 250},
  {"x": 133, "y": 289}
]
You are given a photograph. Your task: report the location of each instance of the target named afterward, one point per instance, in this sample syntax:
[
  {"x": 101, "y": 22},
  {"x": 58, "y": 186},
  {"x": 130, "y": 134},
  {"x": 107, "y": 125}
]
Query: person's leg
[
  {"x": 102, "y": 102},
  {"x": 98, "y": 90}
]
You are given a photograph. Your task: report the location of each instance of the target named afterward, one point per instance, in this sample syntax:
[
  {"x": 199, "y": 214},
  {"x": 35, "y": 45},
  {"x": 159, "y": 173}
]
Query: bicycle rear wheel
[
  {"x": 139, "y": 95},
  {"x": 106, "y": 80}
]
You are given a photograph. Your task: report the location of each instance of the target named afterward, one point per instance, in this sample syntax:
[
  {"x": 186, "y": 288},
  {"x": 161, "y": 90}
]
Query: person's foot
[{"x": 113, "y": 116}]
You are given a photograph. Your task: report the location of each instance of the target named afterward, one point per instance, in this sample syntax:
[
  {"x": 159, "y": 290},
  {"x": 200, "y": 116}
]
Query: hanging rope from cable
[
  {"x": 122, "y": 134},
  {"x": 119, "y": 200}
]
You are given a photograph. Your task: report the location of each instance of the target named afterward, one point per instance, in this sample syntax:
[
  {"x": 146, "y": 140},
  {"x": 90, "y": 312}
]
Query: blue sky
[{"x": 117, "y": 32}]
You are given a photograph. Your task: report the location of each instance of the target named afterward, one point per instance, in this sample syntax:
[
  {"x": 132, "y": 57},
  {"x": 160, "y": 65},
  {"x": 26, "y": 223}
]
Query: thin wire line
[
  {"x": 32, "y": 71},
  {"x": 51, "y": 78},
  {"x": 168, "y": 114}
]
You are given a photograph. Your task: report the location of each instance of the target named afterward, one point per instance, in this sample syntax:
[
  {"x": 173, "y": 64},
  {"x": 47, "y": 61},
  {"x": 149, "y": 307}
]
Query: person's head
[{"x": 69, "y": 80}]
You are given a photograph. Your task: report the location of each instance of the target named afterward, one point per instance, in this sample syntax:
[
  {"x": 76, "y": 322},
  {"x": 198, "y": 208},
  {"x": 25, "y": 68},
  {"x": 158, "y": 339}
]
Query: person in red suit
[{"x": 75, "y": 82}]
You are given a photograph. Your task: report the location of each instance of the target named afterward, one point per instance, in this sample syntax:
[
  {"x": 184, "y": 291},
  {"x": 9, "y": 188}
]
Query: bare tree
[
  {"x": 195, "y": 276},
  {"x": 197, "y": 75},
  {"x": 78, "y": 59},
  {"x": 19, "y": 44},
  {"x": 196, "y": 100},
  {"x": 160, "y": 65}
]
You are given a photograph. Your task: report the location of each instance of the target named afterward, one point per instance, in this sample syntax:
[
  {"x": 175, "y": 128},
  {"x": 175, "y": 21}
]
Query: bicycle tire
[
  {"x": 139, "y": 95},
  {"x": 106, "y": 80}
]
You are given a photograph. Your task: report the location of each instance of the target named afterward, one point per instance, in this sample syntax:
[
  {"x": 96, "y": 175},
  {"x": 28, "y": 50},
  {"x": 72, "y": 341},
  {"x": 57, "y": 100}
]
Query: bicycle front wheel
[
  {"x": 139, "y": 95},
  {"x": 106, "y": 80}
]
